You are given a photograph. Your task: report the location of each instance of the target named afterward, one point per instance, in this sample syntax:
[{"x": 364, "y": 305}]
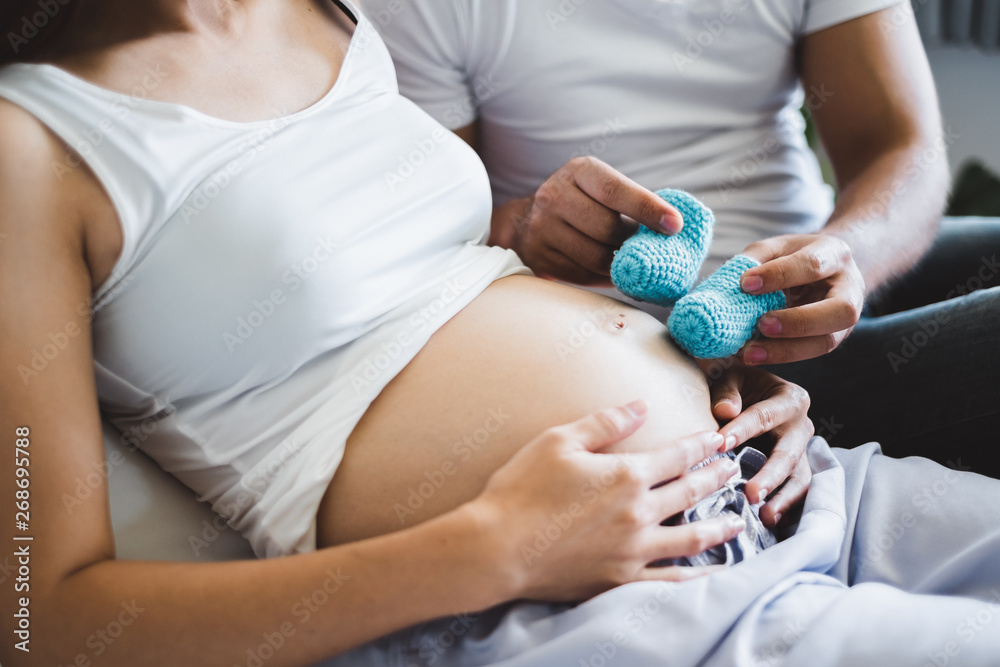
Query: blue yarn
[
  {"x": 661, "y": 269},
  {"x": 717, "y": 318}
]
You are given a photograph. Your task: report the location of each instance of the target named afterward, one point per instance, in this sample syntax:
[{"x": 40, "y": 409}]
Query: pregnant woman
[{"x": 224, "y": 228}]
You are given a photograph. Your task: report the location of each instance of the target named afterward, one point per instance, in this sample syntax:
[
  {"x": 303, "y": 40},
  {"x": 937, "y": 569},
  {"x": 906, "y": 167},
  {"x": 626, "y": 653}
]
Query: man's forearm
[{"x": 889, "y": 212}]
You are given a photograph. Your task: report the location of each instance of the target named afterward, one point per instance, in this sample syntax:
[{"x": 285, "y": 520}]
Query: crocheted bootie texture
[
  {"x": 661, "y": 269},
  {"x": 717, "y": 318}
]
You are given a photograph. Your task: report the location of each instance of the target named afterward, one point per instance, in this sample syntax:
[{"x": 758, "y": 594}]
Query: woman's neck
[{"x": 97, "y": 25}]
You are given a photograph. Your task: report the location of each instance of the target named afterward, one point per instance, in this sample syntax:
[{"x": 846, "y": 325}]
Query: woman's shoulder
[
  {"x": 23, "y": 138},
  {"x": 40, "y": 201},
  {"x": 28, "y": 151}
]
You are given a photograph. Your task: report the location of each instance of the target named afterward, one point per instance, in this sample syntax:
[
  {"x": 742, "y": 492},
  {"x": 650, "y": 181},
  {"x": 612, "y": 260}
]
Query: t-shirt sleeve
[
  {"x": 820, "y": 14},
  {"x": 427, "y": 40}
]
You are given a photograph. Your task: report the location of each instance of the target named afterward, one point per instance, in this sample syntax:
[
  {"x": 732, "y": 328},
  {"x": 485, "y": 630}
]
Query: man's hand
[
  {"x": 825, "y": 291},
  {"x": 571, "y": 227},
  {"x": 754, "y": 403}
]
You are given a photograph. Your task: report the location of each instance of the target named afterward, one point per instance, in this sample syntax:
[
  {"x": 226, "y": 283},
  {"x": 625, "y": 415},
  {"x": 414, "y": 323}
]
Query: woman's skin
[{"x": 59, "y": 237}]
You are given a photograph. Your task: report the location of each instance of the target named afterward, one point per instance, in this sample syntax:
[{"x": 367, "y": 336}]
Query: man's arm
[
  {"x": 875, "y": 106},
  {"x": 882, "y": 130}
]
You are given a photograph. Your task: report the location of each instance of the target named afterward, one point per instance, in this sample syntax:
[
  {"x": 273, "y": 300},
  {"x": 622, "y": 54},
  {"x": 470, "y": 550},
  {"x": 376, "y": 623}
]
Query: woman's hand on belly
[{"x": 577, "y": 520}]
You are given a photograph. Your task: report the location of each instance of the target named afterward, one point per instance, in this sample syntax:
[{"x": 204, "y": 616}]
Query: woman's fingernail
[
  {"x": 769, "y": 325},
  {"x": 730, "y": 441},
  {"x": 716, "y": 440},
  {"x": 762, "y": 495},
  {"x": 737, "y": 523},
  {"x": 751, "y": 283},
  {"x": 671, "y": 223},
  {"x": 755, "y": 354},
  {"x": 731, "y": 467},
  {"x": 637, "y": 408},
  {"x": 777, "y": 518}
]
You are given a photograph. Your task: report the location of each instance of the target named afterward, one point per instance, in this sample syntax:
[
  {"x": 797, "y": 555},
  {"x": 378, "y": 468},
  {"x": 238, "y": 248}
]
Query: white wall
[{"x": 968, "y": 83}]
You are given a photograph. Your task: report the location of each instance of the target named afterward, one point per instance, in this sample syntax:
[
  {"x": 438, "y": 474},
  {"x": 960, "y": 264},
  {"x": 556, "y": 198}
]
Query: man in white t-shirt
[{"x": 580, "y": 107}]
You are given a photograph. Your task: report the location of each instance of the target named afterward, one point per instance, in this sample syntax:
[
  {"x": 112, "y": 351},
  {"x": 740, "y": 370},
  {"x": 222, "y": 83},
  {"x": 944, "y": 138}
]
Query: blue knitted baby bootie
[
  {"x": 717, "y": 317},
  {"x": 661, "y": 269}
]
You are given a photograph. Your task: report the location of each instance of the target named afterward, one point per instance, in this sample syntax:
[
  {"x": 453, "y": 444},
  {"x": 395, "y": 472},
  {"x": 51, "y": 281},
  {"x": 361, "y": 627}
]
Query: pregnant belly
[{"x": 525, "y": 355}]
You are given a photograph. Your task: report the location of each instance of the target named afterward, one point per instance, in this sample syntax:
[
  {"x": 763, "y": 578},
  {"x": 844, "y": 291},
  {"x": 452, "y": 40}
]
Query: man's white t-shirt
[{"x": 701, "y": 95}]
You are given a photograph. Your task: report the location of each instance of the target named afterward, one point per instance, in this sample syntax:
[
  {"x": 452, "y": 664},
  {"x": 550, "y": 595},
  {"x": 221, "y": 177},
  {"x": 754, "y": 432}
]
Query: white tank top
[{"x": 275, "y": 275}]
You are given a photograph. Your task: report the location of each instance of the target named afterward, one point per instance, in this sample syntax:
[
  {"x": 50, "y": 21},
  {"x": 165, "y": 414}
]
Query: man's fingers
[
  {"x": 788, "y": 350},
  {"x": 784, "y": 264},
  {"x": 725, "y": 395},
  {"x": 593, "y": 219},
  {"x": 800, "y": 268},
  {"x": 605, "y": 427},
  {"x": 549, "y": 262},
  {"x": 766, "y": 249},
  {"x": 789, "y": 495},
  {"x": 835, "y": 313},
  {"x": 620, "y": 193},
  {"x": 786, "y": 455},
  {"x": 666, "y": 463},
  {"x": 581, "y": 249},
  {"x": 787, "y": 404}
]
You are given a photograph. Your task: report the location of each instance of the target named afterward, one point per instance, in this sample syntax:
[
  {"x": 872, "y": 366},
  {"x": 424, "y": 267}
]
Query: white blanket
[{"x": 894, "y": 562}]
